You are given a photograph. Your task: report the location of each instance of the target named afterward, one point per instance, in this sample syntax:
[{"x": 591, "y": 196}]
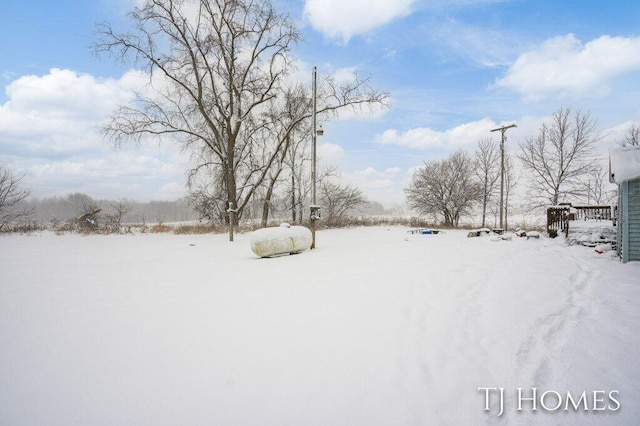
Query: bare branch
[
  {"x": 11, "y": 198},
  {"x": 559, "y": 157},
  {"x": 445, "y": 188}
]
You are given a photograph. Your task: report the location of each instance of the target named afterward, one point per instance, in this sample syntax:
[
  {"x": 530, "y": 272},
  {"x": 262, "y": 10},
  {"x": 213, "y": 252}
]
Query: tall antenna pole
[
  {"x": 502, "y": 130},
  {"x": 313, "y": 208}
]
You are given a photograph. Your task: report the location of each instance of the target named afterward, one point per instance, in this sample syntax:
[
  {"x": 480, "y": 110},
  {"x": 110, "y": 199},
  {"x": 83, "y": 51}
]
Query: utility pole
[
  {"x": 314, "y": 207},
  {"x": 502, "y": 130}
]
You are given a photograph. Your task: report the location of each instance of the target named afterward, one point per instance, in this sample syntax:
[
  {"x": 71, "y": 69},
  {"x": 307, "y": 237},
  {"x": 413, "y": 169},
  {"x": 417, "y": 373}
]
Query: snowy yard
[{"x": 375, "y": 327}]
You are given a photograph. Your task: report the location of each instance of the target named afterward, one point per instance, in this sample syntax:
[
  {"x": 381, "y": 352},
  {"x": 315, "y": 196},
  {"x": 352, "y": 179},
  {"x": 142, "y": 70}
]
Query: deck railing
[
  {"x": 593, "y": 212},
  {"x": 558, "y": 217}
]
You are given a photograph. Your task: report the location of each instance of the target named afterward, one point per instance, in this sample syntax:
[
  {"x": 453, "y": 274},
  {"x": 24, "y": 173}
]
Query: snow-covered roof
[{"x": 624, "y": 164}]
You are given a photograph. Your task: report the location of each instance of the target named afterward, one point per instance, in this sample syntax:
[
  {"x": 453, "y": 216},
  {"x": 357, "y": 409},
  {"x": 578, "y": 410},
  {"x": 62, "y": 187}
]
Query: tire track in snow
[{"x": 540, "y": 351}]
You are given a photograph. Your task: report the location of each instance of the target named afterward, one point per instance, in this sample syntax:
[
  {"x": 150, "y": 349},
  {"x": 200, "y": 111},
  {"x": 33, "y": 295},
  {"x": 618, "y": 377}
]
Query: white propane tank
[{"x": 284, "y": 239}]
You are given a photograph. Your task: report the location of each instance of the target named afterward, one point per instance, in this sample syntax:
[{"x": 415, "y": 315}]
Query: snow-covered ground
[{"x": 374, "y": 327}]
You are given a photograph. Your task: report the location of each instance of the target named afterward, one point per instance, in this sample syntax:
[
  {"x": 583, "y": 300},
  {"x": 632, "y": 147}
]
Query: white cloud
[
  {"x": 57, "y": 114},
  {"x": 139, "y": 174},
  {"x": 50, "y": 131},
  {"x": 172, "y": 190},
  {"x": 342, "y": 19},
  {"x": 613, "y": 137},
  {"x": 565, "y": 66},
  {"x": 330, "y": 152},
  {"x": 345, "y": 75},
  {"x": 371, "y": 178},
  {"x": 64, "y": 92},
  {"x": 482, "y": 45},
  {"x": 384, "y": 186},
  {"x": 461, "y": 136}
]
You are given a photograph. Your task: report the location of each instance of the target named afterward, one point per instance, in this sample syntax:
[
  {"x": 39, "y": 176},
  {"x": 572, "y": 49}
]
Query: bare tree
[
  {"x": 82, "y": 204},
  {"x": 86, "y": 210},
  {"x": 510, "y": 182},
  {"x": 632, "y": 136},
  {"x": 487, "y": 158},
  {"x": 338, "y": 199},
  {"x": 11, "y": 199},
  {"x": 287, "y": 126},
  {"x": 218, "y": 69},
  {"x": 594, "y": 187},
  {"x": 559, "y": 157},
  {"x": 204, "y": 197},
  {"x": 297, "y": 159},
  {"x": 213, "y": 66},
  {"x": 120, "y": 208},
  {"x": 445, "y": 188},
  {"x": 354, "y": 95}
]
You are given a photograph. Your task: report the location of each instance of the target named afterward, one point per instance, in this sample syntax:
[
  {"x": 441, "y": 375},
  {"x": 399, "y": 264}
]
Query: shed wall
[{"x": 633, "y": 200}]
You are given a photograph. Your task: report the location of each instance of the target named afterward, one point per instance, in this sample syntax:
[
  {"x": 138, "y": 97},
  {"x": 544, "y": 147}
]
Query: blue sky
[{"x": 454, "y": 70}]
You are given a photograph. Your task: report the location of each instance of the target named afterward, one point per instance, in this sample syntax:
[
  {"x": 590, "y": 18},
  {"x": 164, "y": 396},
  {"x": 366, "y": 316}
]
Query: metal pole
[
  {"x": 502, "y": 130},
  {"x": 501, "y": 179},
  {"x": 313, "y": 206}
]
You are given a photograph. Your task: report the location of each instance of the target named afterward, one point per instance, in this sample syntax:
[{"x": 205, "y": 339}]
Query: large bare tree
[
  {"x": 559, "y": 157},
  {"x": 218, "y": 71},
  {"x": 213, "y": 65},
  {"x": 445, "y": 188}
]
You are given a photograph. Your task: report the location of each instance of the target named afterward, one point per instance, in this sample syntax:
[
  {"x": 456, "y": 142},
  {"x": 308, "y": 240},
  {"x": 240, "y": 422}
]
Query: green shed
[{"x": 624, "y": 170}]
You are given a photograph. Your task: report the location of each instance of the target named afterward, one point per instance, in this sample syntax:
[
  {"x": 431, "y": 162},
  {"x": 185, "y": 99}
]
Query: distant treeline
[
  {"x": 72, "y": 206},
  {"x": 52, "y": 209}
]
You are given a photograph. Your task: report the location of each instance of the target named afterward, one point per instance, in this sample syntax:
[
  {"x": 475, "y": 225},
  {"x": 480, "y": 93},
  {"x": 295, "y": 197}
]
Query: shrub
[
  {"x": 160, "y": 228},
  {"x": 198, "y": 228}
]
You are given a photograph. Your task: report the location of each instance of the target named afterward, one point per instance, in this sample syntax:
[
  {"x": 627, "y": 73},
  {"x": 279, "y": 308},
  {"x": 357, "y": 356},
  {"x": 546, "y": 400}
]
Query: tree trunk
[
  {"x": 232, "y": 208},
  {"x": 265, "y": 206},
  {"x": 293, "y": 198},
  {"x": 484, "y": 210}
]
